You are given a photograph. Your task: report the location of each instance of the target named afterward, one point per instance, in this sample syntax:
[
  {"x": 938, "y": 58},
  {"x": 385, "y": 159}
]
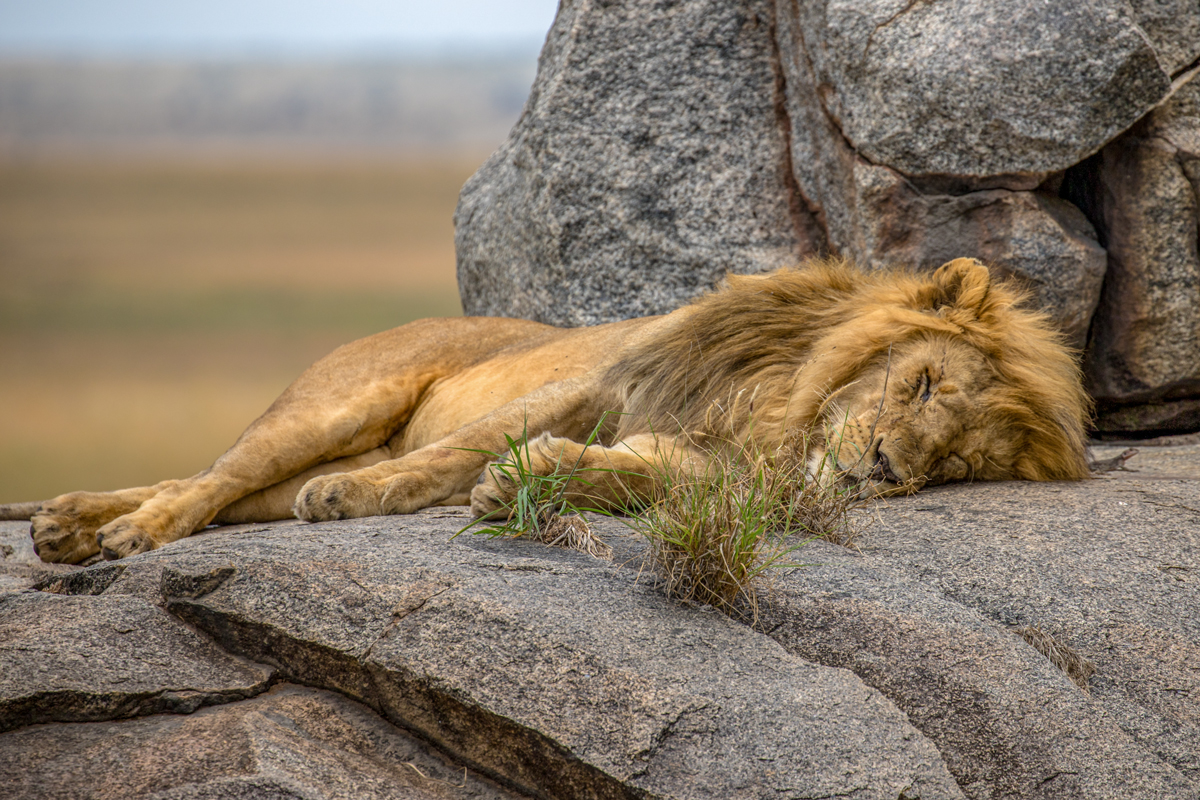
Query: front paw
[
  {"x": 493, "y": 496},
  {"x": 339, "y": 496},
  {"x": 121, "y": 538},
  {"x": 530, "y": 467},
  {"x": 60, "y": 539}
]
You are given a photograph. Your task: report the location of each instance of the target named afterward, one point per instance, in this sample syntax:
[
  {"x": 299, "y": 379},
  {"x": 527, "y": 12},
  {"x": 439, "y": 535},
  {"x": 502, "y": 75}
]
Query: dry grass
[
  {"x": 150, "y": 311},
  {"x": 1063, "y": 656}
]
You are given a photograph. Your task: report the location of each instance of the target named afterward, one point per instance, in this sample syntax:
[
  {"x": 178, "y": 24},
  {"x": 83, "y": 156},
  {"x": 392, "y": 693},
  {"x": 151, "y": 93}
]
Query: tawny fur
[
  {"x": 899, "y": 379},
  {"x": 794, "y": 337}
]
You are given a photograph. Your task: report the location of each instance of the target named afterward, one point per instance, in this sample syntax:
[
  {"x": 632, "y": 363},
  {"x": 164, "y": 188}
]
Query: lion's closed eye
[{"x": 922, "y": 387}]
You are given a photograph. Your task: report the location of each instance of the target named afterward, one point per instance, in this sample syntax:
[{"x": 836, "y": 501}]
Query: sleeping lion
[{"x": 901, "y": 380}]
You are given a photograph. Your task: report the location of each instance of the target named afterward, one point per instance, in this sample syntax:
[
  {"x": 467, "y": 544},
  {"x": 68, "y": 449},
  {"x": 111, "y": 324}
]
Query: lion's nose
[{"x": 882, "y": 470}]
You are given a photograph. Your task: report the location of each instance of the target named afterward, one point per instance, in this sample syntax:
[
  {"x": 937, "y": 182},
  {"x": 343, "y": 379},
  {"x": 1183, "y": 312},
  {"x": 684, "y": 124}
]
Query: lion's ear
[{"x": 962, "y": 283}]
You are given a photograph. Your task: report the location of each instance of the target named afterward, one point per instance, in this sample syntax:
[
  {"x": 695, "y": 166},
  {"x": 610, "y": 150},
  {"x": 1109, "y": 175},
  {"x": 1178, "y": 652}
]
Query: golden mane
[{"x": 794, "y": 338}]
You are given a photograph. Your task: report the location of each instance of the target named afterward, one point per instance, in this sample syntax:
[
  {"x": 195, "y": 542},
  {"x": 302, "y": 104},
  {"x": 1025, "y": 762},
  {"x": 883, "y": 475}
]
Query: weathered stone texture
[
  {"x": 86, "y": 658},
  {"x": 896, "y": 671},
  {"x": 1173, "y": 27},
  {"x": 883, "y": 208},
  {"x": 650, "y": 160},
  {"x": 978, "y": 89},
  {"x": 1146, "y": 342},
  {"x": 560, "y": 674},
  {"x": 1043, "y": 242},
  {"x": 1107, "y": 571},
  {"x": 292, "y": 742}
]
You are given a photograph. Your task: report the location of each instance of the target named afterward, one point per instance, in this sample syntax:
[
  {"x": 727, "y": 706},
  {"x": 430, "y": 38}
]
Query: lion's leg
[
  {"x": 275, "y": 502},
  {"x": 448, "y": 469},
  {"x": 617, "y": 478},
  {"x": 348, "y": 404}
]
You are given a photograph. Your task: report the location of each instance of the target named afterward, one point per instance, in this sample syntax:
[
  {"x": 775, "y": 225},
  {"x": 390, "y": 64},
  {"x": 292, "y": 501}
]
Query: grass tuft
[
  {"x": 539, "y": 510},
  {"x": 715, "y": 536}
]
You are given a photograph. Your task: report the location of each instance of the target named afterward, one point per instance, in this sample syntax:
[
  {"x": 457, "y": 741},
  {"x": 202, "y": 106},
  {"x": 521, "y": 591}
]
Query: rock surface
[
  {"x": 896, "y": 671},
  {"x": 79, "y": 659},
  {"x": 1173, "y": 27},
  {"x": 977, "y": 89},
  {"x": 292, "y": 742},
  {"x": 1146, "y": 346},
  {"x": 650, "y": 160}
]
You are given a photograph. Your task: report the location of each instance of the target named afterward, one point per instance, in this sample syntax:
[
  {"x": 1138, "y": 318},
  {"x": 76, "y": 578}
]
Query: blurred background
[{"x": 199, "y": 199}]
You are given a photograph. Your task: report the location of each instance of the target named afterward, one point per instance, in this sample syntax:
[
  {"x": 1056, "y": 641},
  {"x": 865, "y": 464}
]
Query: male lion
[{"x": 910, "y": 379}]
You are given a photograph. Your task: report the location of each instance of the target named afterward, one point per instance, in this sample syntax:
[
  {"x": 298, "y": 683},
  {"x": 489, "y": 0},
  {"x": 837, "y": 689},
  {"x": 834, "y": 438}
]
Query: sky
[{"x": 268, "y": 26}]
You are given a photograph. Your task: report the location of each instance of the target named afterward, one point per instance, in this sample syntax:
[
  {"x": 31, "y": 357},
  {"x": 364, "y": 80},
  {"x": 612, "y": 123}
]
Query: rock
[
  {"x": 874, "y": 213},
  {"x": 1146, "y": 343},
  {"x": 1149, "y": 418},
  {"x": 560, "y": 673},
  {"x": 1173, "y": 27},
  {"x": 1043, "y": 242},
  {"x": 651, "y": 159},
  {"x": 949, "y": 577},
  {"x": 980, "y": 89},
  {"x": 664, "y": 146},
  {"x": 898, "y": 671},
  {"x": 292, "y": 742},
  {"x": 79, "y": 659}
]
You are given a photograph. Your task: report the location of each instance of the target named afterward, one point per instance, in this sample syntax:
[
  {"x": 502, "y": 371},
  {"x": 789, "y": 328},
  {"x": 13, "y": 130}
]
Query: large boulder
[
  {"x": 650, "y": 160},
  {"x": 951, "y": 655},
  {"x": 1003, "y": 91},
  {"x": 1145, "y": 346},
  {"x": 666, "y": 145}
]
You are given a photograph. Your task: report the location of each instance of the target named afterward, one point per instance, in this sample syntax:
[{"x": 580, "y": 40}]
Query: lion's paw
[
  {"x": 121, "y": 538},
  {"x": 498, "y": 486},
  {"x": 493, "y": 495},
  {"x": 60, "y": 539},
  {"x": 338, "y": 496},
  {"x": 64, "y": 529}
]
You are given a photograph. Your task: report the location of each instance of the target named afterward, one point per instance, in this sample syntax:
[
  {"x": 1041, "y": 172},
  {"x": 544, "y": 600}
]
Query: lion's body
[{"x": 906, "y": 379}]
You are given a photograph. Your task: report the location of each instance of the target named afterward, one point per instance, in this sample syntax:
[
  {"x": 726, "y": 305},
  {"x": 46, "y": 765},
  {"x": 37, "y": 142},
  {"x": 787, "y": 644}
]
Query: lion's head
[
  {"x": 972, "y": 387},
  {"x": 902, "y": 379}
]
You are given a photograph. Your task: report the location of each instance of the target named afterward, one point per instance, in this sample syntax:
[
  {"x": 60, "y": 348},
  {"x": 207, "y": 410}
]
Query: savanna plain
[{"x": 150, "y": 309}]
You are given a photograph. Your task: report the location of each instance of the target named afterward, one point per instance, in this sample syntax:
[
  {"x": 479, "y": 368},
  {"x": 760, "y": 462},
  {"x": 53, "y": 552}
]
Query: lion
[{"x": 900, "y": 380}]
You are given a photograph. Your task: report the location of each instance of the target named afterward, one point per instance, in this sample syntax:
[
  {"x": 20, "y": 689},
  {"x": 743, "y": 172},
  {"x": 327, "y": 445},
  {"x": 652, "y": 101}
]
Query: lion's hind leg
[{"x": 618, "y": 478}]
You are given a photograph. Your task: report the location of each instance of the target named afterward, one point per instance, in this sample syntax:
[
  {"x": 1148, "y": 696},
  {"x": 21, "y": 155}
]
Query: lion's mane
[{"x": 791, "y": 340}]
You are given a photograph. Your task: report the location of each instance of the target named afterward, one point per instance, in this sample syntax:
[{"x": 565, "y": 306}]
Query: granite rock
[
  {"x": 551, "y": 672},
  {"x": 1173, "y": 27},
  {"x": 1146, "y": 344},
  {"x": 875, "y": 213},
  {"x": 951, "y": 576},
  {"x": 292, "y": 742},
  {"x": 650, "y": 160},
  {"x": 87, "y": 658},
  {"x": 665, "y": 145},
  {"x": 1143, "y": 419},
  {"x": 898, "y": 670},
  {"x": 1042, "y": 242},
  {"x": 978, "y": 89}
]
